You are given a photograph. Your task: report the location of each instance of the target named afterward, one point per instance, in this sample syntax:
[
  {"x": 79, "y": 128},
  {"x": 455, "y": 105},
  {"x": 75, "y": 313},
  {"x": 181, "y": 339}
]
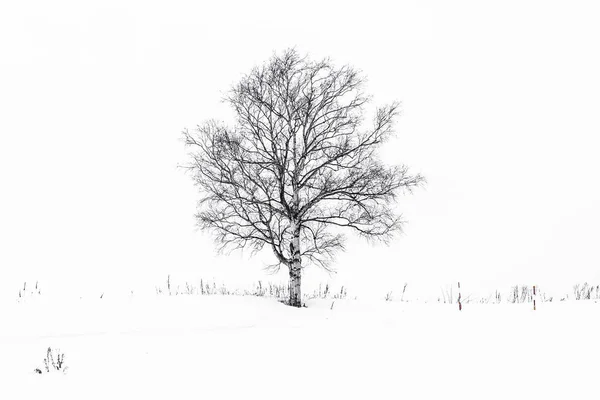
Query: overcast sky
[{"x": 500, "y": 102}]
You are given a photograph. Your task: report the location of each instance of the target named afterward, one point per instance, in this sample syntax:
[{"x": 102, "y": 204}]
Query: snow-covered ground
[{"x": 235, "y": 347}]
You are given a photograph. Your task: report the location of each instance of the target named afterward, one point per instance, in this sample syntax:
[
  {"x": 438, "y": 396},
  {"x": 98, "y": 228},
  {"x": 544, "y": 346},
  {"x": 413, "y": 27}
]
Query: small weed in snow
[
  {"x": 29, "y": 292},
  {"x": 54, "y": 361},
  {"x": 586, "y": 292}
]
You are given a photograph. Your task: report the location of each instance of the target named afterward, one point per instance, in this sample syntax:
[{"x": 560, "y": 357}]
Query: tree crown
[{"x": 297, "y": 162}]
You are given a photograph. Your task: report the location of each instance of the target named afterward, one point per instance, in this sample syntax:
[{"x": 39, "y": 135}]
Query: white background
[{"x": 500, "y": 102}]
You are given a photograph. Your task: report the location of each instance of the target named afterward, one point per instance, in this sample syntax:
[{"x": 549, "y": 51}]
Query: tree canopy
[{"x": 299, "y": 164}]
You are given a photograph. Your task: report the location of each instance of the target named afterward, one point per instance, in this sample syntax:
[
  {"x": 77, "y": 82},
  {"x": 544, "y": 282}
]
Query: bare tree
[{"x": 297, "y": 166}]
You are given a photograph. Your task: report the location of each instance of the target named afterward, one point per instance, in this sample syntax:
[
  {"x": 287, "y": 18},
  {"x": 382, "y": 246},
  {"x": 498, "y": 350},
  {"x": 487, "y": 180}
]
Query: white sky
[{"x": 501, "y": 115}]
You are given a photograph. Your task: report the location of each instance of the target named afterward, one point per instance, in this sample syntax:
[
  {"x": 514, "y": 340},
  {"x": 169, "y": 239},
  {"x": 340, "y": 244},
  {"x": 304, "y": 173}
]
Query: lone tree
[{"x": 297, "y": 166}]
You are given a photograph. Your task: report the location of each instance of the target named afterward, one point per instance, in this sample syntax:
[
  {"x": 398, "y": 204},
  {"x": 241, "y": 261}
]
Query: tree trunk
[
  {"x": 295, "y": 289},
  {"x": 295, "y": 272}
]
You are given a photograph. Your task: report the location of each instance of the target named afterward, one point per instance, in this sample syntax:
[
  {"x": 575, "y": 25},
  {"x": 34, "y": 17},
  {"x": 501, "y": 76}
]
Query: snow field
[{"x": 224, "y": 347}]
